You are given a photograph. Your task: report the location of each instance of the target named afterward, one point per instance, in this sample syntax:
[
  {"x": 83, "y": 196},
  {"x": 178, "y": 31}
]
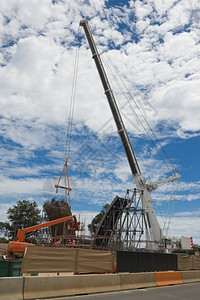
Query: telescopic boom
[
  {"x": 111, "y": 100},
  {"x": 155, "y": 233}
]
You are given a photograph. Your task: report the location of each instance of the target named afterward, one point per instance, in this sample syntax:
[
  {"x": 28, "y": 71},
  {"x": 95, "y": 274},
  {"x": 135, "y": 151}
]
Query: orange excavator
[{"x": 17, "y": 247}]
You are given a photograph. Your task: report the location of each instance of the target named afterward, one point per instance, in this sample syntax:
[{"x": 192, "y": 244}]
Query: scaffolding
[{"x": 125, "y": 226}]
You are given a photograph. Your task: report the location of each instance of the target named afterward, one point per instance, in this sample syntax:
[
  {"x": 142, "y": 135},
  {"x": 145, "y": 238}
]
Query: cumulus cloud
[
  {"x": 37, "y": 67},
  {"x": 185, "y": 226},
  {"x": 154, "y": 47}
]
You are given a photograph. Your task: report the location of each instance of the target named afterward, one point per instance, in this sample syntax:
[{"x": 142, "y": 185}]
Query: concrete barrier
[
  {"x": 22, "y": 288},
  {"x": 190, "y": 276},
  {"x": 168, "y": 278},
  {"x": 11, "y": 288},
  {"x": 58, "y": 286},
  {"x": 137, "y": 280}
]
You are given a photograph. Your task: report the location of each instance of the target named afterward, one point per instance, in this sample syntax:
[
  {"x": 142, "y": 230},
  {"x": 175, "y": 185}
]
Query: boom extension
[{"x": 111, "y": 100}]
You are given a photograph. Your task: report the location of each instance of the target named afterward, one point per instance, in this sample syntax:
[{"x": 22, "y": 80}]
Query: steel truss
[{"x": 125, "y": 226}]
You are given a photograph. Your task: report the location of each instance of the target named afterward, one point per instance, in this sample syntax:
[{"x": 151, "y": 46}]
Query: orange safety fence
[{"x": 168, "y": 278}]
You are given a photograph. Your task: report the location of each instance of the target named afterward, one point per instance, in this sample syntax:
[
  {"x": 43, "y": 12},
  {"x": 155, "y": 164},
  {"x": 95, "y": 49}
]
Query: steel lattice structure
[{"x": 125, "y": 226}]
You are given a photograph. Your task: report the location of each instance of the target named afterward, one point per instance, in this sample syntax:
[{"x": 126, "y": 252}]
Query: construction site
[
  {"x": 128, "y": 238},
  {"x": 130, "y": 222}
]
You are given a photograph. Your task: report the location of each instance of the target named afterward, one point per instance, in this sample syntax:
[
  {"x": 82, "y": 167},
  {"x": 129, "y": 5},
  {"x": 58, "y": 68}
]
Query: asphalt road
[{"x": 175, "y": 292}]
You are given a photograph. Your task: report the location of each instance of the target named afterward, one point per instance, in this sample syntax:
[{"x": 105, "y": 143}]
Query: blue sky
[{"x": 155, "y": 52}]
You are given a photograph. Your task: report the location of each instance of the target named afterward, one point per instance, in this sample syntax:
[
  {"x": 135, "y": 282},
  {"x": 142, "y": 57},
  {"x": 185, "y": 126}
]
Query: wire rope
[
  {"x": 172, "y": 208},
  {"x": 168, "y": 207},
  {"x": 109, "y": 70},
  {"x": 139, "y": 120},
  {"x": 159, "y": 148},
  {"x": 140, "y": 110},
  {"x": 72, "y": 100}
]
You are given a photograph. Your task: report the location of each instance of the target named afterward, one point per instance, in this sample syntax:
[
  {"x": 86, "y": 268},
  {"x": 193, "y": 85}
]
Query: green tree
[
  {"x": 2, "y": 227},
  {"x": 97, "y": 219},
  {"x": 196, "y": 248},
  {"x": 5, "y": 228},
  {"x": 22, "y": 215}
]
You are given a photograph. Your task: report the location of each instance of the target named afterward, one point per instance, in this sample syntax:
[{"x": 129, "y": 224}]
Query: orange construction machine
[{"x": 17, "y": 247}]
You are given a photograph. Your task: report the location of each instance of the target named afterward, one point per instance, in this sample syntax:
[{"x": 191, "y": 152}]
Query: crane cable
[
  {"x": 169, "y": 221},
  {"x": 173, "y": 190},
  {"x": 168, "y": 208},
  {"x": 139, "y": 109},
  {"x": 66, "y": 186},
  {"x": 72, "y": 99},
  {"x": 147, "y": 123},
  {"x": 159, "y": 148}
]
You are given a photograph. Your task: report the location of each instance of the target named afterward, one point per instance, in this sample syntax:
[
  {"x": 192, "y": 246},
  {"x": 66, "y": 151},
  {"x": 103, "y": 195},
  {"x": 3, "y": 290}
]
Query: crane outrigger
[{"x": 154, "y": 238}]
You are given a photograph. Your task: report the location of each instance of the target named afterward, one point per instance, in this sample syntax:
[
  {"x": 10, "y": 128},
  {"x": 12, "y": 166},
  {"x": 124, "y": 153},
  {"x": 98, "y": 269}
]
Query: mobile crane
[
  {"x": 155, "y": 237},
  {"x": 17, "y": 247}
]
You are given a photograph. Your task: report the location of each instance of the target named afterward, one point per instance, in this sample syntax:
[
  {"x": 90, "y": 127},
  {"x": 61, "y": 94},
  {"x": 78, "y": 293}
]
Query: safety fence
[
  {"x": 76, "y": 260},
  {"x": 189, "y": 262},
  {"x": 53, "y": 259},
  {"x": 145, "y": 262},
  {"x": 134, "y": 262}
]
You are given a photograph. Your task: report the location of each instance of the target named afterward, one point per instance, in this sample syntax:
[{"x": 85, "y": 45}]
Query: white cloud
[
  {"x": 182, "y": 46},
  {"x": 20, "y": 187},
  {"x": 86, "y": 217},
  {"x": 37, "y": 75},
  {"x": 185, "y": 226},
  {"x": 179, "y": 101},
  {"x": 156, "y": 56},
  {"x": 97, "y": 4},
  {"x": 3, "y": 210}
]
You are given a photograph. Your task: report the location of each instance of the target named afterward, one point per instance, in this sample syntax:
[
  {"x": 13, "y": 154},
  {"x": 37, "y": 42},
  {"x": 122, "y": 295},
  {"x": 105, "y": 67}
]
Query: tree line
[{"x": 25, "y": 214}]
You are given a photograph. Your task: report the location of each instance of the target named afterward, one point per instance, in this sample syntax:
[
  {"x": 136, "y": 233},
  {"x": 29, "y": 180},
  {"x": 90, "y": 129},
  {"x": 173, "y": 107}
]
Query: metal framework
[
  {"x": 125, "y": 226},
  {"x": 66, "y": 187}
]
